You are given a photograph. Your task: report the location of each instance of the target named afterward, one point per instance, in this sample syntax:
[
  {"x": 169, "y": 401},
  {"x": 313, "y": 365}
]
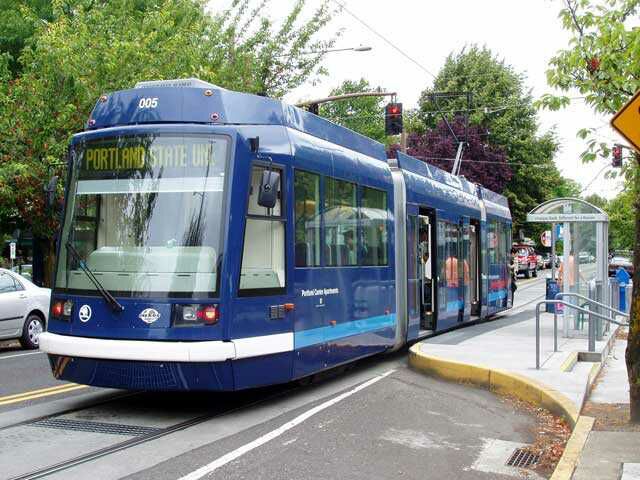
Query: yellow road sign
[{"x": 627, "y": 121}]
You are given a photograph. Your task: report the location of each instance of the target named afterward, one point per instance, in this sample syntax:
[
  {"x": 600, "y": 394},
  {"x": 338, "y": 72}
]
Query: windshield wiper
[{"x": 115, "y": 305}]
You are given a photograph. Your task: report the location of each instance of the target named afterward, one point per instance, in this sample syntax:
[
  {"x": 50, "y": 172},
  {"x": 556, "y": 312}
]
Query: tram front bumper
[{"x": 165, "y": 351}]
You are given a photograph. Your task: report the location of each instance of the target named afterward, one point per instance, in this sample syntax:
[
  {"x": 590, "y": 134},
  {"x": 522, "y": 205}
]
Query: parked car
[
  {"x": 546, "y": 259},
  {"x": 525, "y": 260},
  {"x": 24, "y": 309},
  {"x": 620, "y": 261},
  {"x": 540, "y": 263}
]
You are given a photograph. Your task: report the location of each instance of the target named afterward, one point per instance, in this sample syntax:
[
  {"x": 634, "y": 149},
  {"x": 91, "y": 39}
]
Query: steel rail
[{"x": 132, "y": 442}]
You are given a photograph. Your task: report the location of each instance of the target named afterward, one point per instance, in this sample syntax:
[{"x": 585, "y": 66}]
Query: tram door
[
  {"x": 465, "y": 269},
  {"x": 413, "y": 269},
  {"x": 425, "y": 272},
  {"x": 474, "y": 268}
]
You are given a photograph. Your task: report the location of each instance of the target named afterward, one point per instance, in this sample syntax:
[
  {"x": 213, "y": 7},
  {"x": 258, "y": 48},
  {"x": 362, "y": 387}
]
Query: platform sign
[
  {"x": 627, "y": 121},
  {"x": 12, "y": 250},
  {"x": 545, "y": 238}
]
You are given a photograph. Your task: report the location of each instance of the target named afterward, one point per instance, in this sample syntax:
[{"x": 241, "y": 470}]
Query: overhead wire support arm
[
  {"x": 435, "y": 97},
  {"x": 309, "y": 103}
]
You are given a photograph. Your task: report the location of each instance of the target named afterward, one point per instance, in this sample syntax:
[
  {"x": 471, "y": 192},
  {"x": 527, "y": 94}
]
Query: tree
[
  {"x": 364, "y": 115},
  {"x": 18, "y": 22},
  {"x": 602, "y": 64},
  {"x": 92, "y": 47},
  {"x": 502, "y": 108},
  {"x": 481, "y": 162},
  {"x": 621, "y": 220}
]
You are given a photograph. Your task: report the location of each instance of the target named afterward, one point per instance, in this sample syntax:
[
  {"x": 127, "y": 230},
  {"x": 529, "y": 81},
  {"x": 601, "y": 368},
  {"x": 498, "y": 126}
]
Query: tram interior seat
[
  {"x": 152, "y": 259},
  {"x": 253, "y": 278}
]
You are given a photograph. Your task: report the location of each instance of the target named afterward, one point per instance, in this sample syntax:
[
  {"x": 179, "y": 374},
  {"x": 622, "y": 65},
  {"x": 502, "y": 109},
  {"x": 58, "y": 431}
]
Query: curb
[
  {"x": 495, "y": 380},
  {"x": 572, "y": 451},
  {"x": 507, "y": 383}
]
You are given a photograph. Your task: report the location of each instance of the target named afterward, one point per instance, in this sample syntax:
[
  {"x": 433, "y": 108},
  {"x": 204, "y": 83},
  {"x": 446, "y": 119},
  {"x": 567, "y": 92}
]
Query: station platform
[{"x": 500, "y": 355}]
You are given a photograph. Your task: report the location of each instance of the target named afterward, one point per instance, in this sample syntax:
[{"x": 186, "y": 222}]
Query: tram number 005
[{"x": 148, "y": 102}]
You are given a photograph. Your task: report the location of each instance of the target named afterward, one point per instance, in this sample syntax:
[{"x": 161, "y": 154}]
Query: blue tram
[{"x": 215, "y": 240}]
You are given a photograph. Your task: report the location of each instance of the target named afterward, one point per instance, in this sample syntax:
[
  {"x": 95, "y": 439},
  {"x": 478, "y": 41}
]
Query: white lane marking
[
  {"x": 20, "y": 355},
  {"x": 229, "y": 457}
]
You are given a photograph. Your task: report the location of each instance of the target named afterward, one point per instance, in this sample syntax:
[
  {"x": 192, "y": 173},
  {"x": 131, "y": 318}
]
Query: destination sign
[{"x": 137, "y": 157}]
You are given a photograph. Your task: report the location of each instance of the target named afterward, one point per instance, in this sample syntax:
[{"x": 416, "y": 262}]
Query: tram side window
[
  {"x": 451, "y": 262},
  {"x": 340, "y": 223},
  {"x": 373, "y": 221},
  {"x": 263, "y": 256},
  {"x": 492, "y": 236},
  {"x": 442, "y": 276},
  {"x": 307, "y": 208},
  {"x": 501, "y": 249}
]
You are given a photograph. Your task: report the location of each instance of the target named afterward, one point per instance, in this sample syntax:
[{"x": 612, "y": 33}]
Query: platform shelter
[{"x": 583, "y": 229}]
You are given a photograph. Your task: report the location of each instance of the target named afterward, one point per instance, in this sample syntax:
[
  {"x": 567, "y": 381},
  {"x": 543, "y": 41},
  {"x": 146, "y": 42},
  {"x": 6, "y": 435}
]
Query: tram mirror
[
  {"x": 268, "y": 194},
  {"x": 50, "y": 191}
]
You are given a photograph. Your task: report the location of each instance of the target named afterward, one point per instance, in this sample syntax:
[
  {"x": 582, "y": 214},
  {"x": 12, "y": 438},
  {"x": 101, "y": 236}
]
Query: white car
[{"x": 24, "y": 309}]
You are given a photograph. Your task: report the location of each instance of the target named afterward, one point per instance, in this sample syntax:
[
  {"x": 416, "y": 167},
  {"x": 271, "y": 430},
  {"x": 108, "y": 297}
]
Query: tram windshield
[{"x": 145, "y": 215}]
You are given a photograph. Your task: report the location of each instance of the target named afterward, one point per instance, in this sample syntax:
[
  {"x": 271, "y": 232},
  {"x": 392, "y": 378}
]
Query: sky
[{"x": 526, "y": 33}]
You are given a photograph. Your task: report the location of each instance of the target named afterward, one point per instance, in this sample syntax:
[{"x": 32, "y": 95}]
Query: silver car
[{"x": 24, "y": 309}]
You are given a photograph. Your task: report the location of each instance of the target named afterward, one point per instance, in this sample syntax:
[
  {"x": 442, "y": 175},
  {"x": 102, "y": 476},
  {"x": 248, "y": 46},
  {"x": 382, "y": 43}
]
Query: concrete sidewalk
[
  {"x": 500, "y": 355},
  {"x": 610, "y": 453}
]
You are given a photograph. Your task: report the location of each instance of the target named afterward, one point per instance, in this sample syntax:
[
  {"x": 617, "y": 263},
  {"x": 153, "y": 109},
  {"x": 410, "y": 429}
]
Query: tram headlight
[{"x": 194, "y": 315}]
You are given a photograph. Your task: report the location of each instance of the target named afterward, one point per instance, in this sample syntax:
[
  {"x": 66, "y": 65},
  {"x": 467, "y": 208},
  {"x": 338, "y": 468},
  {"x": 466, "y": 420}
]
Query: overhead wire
[
  {"x": 469, "y": 160},
  {"x": 594, "y": 179},
  {"x": 385, "y": 39}
]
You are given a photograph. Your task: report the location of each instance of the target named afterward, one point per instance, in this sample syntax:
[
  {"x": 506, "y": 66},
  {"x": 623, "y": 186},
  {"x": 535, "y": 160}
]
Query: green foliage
[
  {"x": 91, "y": 47},
  {"x": 18, "y": 22},
  {"x": 621, "y": 220},
  {"x": 503, "y": 106},
  {"x": 364, "y": 115},
  {"x": 601, "y": 61},
  {"x": 597, "y": 200}
]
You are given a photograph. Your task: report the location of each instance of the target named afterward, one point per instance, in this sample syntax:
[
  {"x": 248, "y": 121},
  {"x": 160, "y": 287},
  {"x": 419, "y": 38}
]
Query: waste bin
[{"x": 552, "y": 290}]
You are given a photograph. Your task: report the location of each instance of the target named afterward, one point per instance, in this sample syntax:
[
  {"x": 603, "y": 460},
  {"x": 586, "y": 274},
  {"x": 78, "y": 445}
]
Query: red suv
[{"x": 526, "y": 260}]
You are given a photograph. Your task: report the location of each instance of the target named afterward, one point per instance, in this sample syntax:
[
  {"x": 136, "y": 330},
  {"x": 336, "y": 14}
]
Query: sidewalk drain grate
[
  {"x": 522, "y": 458},
  {"x": 95, "y": 427}
]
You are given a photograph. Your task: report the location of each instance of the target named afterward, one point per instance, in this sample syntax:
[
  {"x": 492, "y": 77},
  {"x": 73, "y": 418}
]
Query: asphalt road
[
  {"x": 377, "y": 420},
  {"x": 26, "y": 379}
]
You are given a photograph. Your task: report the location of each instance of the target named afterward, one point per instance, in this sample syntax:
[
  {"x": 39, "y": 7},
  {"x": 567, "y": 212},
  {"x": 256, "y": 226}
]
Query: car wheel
[{"x": 31, "y": 331}]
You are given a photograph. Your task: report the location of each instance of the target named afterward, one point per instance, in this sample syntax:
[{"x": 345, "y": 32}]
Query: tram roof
[
  {"x": 195, "y": 101},
  {"x": 192, "y": 100}
]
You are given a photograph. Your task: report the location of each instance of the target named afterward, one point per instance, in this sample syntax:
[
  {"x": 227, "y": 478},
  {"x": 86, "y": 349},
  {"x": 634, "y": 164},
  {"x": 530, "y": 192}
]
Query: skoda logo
[
  {"x": 149, "y": 315},
  {"x": 84, "y": 313}
]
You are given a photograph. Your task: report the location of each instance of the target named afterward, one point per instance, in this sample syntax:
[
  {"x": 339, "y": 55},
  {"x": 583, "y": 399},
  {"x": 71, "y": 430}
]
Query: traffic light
[
  {"x": 393, "y": 119},
  {"x": 616, "y": 155}
]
